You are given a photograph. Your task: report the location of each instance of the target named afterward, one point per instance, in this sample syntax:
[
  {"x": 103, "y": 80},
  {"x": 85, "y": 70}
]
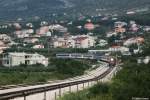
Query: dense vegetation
[
  {"x": 26, "y": 9},
  {"x": 97, "y": 92},
  {"x": 142, "y": 19},
  {"x": 70, "y": 67},
  {"x": 132, "y": 81},
  {"x": 58, "y": 69}
]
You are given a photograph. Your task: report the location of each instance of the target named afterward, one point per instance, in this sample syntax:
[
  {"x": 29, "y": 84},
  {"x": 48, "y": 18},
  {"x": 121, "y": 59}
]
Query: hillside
[{"x": 28, "y": 8}]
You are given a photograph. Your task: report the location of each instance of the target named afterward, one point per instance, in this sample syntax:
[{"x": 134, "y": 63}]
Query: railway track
[
  {"x": 30, "y": 91},
  {"x": 42, "y": 83}
]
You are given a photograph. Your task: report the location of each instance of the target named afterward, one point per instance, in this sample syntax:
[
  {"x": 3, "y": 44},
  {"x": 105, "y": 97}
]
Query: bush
[
  {"x": 69, "y": 67},
  {"x": 100, "y": 88},
  {"x": 75, "y": 96}
]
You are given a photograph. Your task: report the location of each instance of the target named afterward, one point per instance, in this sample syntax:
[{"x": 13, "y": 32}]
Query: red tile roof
[{"x": 80, "y": 38}]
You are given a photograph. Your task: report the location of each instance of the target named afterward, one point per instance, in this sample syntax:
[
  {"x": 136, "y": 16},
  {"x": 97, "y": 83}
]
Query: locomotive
[{"x": 112, "y": 62}]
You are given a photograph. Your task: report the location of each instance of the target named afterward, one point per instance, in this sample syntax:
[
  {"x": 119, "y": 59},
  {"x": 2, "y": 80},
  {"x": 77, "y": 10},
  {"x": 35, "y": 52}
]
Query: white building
[
  {"x": 60, "y": 43},
  {"x": 109, "y": 34},
  {"x": 31, "y": 40},
  {"x": 146, "y": 28},
  {"x": 15, "y": 59},
  {"x": 130, "y": 41},
  {"x": 79, "y": 41},
  {"x": 29, "y": 25},
  {"x": 83, "y": 41},
  {"x": 102, "y": 43},
  {"x": 123, "y": 50},
  {"x": 120, "y": 24},
  {"x": 38, "y": 47},
  {"x": 24, "y": 33},
  {"x": 58, "y": 27},
  {"x": 5, "y": 38},
  {"x": 3, "y": 46}
]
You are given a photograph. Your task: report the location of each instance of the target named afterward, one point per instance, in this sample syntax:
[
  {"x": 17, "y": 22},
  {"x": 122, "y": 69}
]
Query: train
[{"x": 112, "y": 61}]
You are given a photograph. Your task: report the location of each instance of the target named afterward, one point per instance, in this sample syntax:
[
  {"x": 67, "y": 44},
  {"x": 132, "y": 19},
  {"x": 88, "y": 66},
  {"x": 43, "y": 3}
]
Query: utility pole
[
  {"x": 48, "y": 44},
  {"x": 49, "y": 40},
  {"x": 116, "y": 60}
]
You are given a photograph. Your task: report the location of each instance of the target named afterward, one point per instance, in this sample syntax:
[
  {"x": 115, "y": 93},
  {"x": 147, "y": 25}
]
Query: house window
[
  {"x": 5, "y": 56},
  {"x": 27, "y": 62},
  {"x": 6, "y": 62},
  {"x": 27, "y": 57}
]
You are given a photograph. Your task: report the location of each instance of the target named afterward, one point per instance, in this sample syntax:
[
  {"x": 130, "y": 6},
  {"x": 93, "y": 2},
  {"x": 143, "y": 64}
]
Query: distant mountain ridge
[{"x": 27, "y": 8}]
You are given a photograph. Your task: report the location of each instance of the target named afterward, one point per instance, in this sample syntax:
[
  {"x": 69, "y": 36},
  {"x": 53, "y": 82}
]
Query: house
[
  {"x": 89, "y": 26},
  {"x": 5, "y": 38},
  {"x": 24, "y": 33},
  {"x": 60, "y": 42},
  {"x": 38, "y": 47},
  {"x": 44, "y": 23},
  {"x": 79, "y": 41},
  {"x": 31, "y": 40},
  {"x": 3, "y": 26},
  {"x": 120, "y": 27},
  {"x": 133, "y": 26},
  {"x": 1, "y": 43},
  {"x": 30, "y": 25},
  {"x": 130, "y": 12},
  {"x": 83, "y": 41},
  {"x": 42, "y": 30},
  {"x": 109, "y": 34},
  {"x": 120, "y": 30},
  {"x": 58, "y": 27},
  {"x": 122, "y": 49},
  {"x": 64, "y": 42},
  {"x": 3, "y": 46},
  {"x": 17, "y": 58},
  {"x": 145, "y": 60},
  {"x": 118, "y": 49},
  {"x": 102, "y": 42},
  {"x": 17, "y": 25},
  {"x": 146, "y": 28},
  {"x": 120, "y": 24},
  {"x": 136, "y": 40}
]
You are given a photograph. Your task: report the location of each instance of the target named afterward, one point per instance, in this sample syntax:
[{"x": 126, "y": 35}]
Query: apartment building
[
  {"x": 79, "y": 41},
  {"x": 15, "y": 59}
]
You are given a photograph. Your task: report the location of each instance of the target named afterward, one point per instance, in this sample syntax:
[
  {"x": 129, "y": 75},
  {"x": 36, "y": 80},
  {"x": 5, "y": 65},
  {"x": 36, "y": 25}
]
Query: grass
[
  {"x": 13, "y": 78},
  {"x": 59, "y": 69},
  {"x": 97, "y": 92}
]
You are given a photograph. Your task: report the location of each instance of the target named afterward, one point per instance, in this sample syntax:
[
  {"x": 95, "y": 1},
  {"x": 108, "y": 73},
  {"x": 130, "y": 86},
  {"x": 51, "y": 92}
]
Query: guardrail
[
  {"x": 22, "y": 85},
  {"x": 27, "y": 92}
]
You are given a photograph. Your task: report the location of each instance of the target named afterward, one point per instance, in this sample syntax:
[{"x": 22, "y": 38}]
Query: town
[
  {"x": 119, "y": 36},
  {"x": 72, "y": 52}
]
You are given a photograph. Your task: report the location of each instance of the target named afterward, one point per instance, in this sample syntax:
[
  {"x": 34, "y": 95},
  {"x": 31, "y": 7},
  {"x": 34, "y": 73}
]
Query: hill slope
[{"x": 28, "y": 8}]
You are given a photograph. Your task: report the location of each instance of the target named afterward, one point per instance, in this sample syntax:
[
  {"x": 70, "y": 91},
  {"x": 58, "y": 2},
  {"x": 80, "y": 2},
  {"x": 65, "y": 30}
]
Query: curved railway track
[{"x": 26, "y": 92}]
